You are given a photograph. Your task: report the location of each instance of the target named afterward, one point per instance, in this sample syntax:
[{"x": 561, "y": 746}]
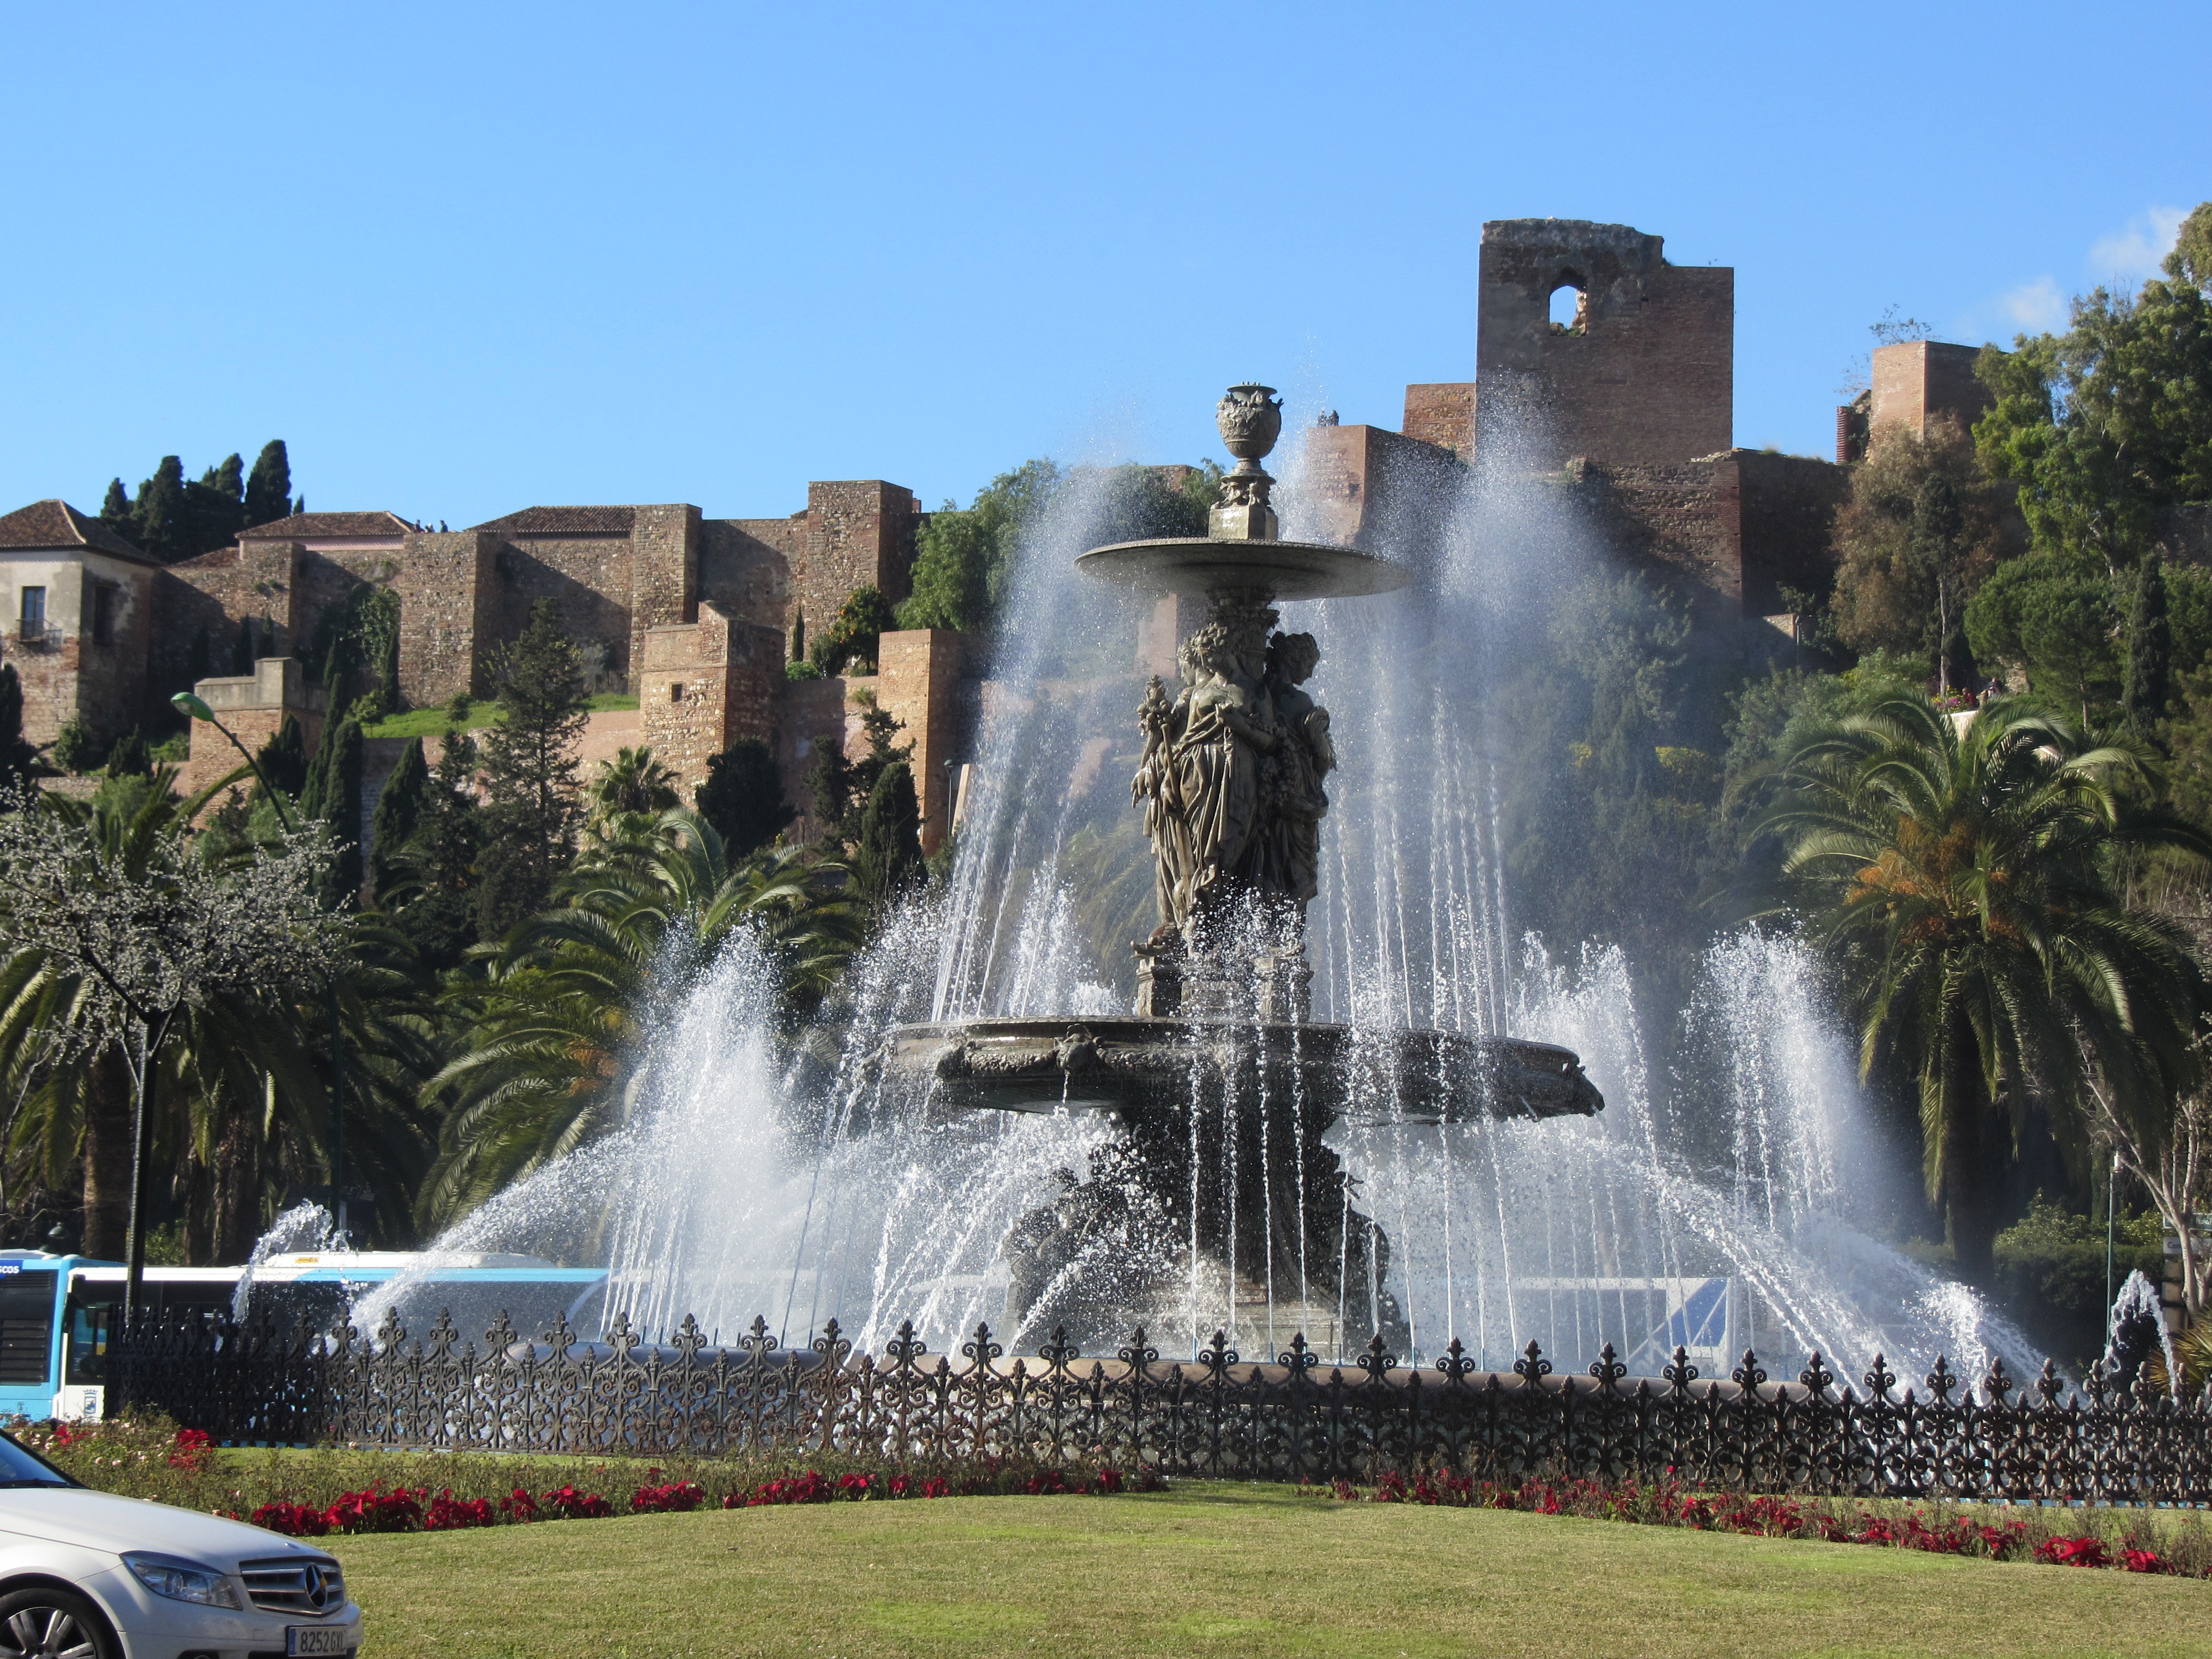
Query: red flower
[
  {"x": 449, "y": 1513},
  {"x": 569, "y": 1505},
  {"x": 374, "y": 1510},
  {"x": 293, "y": 1520},
  {"x": 193, "y": 1449},
  {"x": 2073, "y": 1552},
  {"x": 677, "y": 1498}
]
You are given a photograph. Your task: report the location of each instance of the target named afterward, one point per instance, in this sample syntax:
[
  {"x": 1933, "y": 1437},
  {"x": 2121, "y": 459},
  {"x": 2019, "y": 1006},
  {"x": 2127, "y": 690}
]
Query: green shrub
[{"x": 76, "y": 749}]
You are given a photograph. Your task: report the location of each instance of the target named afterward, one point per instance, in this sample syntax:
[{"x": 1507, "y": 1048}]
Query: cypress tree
[
  {"x": 284, "y": 758},
  {"x": 2150, "y": 653},
  {"x": 398, "y": 810},
  {"x": 269, "y": 486},
  {"x": 1938, "y": 541},
  {"x": 336, "y": 679},
  {"x": 332, "y": 792},
  {"x": 127, "y": 756},
  {"x": 203, "y": 662},
  {"x": 1959, "y": 667},
  {"x": 743, "y": 797},
  {"x": 829, "y": 787},
  {"x": 268, "y": 637},
  {"x": 17, "y": 757},
  {"x": 889, "y": 861},
  {"x": 215, "y": 508},
  {"x": 530, "y": 784},
  {"x": 116, "y": 513},
  {"x": 436, "y": 873},
  {"x": 161, "y": 515},
  {"x": 241, "y": 654}
]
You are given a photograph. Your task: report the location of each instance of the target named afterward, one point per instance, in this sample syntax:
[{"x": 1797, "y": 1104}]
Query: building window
[
  {"x": 34, "y": 626},
  {"x": 676, "y": 691},
  {"x": 103, "y": 615}
]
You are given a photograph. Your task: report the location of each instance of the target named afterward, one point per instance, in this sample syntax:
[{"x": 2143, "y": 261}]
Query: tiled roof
[
  {"x": 55, "y": 523},
  {"x": 315, "y": 527},
  {"x": 565, "y": 521}
]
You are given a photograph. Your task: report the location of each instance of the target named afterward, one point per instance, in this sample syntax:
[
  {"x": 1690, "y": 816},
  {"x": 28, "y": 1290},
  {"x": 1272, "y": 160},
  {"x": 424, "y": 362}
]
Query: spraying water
[
  {"x": 303, "y": 1227},
  {"x": 1711, "y": 1208}
]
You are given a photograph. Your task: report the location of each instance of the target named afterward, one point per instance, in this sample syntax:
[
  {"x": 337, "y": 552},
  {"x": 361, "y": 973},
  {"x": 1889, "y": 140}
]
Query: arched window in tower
[{"x": 1570, "y": 304}]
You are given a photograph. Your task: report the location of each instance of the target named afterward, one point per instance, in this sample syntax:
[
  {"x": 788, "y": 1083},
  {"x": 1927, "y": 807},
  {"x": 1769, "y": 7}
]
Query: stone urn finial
[{"x": 1251, "y": 419}]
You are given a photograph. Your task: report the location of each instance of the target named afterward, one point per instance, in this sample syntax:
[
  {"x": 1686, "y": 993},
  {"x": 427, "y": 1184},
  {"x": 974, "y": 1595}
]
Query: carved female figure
[
  {"x": 1225, "y": 733},
  {"x": 1286, "y": 859},
  {"x": 1154, "y": 789}
]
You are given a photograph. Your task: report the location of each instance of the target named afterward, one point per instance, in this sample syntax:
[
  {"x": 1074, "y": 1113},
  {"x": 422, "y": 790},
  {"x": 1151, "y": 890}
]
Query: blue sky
[{"x": 467, "y": 257}]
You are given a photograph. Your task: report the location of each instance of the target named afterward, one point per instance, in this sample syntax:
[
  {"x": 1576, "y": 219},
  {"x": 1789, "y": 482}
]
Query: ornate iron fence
[{"x": 1212, "y": 1416}]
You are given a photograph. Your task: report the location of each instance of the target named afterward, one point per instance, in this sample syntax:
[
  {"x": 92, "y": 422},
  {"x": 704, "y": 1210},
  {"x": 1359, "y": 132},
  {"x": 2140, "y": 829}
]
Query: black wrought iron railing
[{"x": 1291, "y": 1418}]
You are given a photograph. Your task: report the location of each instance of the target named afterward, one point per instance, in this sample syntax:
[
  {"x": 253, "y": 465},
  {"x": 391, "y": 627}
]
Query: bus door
[
  {"x": 26, "y": 1339},
  {"x": 85, "y": 1357}
]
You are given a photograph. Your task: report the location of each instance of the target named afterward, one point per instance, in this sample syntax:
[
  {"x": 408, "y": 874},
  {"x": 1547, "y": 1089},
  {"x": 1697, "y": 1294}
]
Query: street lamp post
[{"x": 195, "y": 707}]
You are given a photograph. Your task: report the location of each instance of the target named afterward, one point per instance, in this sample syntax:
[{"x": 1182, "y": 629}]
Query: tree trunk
[
  {"x": 196, "y": 1181},
  {"x": 237, "y": 1186},
  {"x": 1971, "y": 1216},
  {"x": 107, "y": 1156}
]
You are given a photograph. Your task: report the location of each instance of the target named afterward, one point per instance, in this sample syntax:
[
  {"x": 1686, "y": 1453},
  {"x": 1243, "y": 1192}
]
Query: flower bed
[
  {"x": 312, "y": 1494},
  {"x": 2128, "y": 1540}
]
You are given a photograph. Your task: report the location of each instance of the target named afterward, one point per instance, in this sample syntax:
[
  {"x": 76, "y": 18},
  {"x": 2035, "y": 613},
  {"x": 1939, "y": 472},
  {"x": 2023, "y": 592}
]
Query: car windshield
[{"x": 21, "y": 1467}]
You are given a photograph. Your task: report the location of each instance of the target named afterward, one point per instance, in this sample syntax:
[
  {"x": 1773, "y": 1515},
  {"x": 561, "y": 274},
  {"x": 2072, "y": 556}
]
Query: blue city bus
[{"x": 55, "y": 1311}]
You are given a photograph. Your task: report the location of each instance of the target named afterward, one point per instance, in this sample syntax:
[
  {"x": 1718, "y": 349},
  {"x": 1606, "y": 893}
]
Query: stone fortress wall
[{"x": 1629, "y": 408}]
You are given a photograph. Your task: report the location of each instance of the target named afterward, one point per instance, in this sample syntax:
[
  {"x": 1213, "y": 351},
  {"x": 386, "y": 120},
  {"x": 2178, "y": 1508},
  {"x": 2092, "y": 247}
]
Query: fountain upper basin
[
  {"x": 1197, "y": 566},
  {"x": 1122, "y": 1065}
]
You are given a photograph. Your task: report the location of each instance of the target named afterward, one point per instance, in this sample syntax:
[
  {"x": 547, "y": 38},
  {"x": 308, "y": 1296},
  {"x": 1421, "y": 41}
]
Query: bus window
[{"x": 27, "y": 1325}]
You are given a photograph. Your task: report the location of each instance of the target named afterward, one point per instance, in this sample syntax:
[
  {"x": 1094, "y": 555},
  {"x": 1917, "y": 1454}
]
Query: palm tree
[
  {"x": 551, "y": 1058},
  {"x": 626, "y": 794},
  {"x": 1961, "y": 880}
]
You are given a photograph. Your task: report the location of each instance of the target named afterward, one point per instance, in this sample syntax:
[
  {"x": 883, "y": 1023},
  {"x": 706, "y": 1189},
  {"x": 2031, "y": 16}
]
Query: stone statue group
[{"x": 1230, "y": 781}]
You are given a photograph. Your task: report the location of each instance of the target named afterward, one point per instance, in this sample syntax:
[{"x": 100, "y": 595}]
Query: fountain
[
  {"x": 1219, "y": 1187},
  {"x": 978, "y": 1127},
  {"x": 807, "y": 1233}
]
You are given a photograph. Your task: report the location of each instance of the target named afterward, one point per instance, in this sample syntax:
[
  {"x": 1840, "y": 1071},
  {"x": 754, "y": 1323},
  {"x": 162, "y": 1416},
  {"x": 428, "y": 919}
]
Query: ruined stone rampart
[{"x": 1643, "y": 377}]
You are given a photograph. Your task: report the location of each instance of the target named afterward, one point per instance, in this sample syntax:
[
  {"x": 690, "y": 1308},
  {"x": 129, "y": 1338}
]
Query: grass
[
  {"x": 433, "y": 722},
  {"x": 1202, "y": 1569}
]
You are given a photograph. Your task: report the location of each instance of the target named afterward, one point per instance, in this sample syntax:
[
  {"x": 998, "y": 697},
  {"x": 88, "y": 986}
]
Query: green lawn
[
  {"x": 1212, "y": 1571},
  {"x": 431, "y": 722}
]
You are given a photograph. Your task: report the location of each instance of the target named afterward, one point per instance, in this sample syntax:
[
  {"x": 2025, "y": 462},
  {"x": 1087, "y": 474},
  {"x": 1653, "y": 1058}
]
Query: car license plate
[{"x": 317, "y": 1638}]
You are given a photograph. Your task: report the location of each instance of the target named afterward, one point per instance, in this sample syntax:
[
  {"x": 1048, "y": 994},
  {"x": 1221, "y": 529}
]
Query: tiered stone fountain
[{"x": 1218, "y": 1193}]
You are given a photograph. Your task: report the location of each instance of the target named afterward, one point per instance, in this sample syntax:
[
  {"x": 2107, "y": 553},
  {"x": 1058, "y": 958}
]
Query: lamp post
[{"x": 195, "y": 707}]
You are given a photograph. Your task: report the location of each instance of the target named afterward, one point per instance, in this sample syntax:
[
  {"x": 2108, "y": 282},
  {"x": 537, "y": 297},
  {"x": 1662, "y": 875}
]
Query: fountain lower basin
[{"x": 1126, "y": 1065}]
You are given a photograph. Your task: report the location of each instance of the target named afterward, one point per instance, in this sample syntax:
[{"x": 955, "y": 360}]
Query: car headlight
[{"x": 183, "y": 1581}]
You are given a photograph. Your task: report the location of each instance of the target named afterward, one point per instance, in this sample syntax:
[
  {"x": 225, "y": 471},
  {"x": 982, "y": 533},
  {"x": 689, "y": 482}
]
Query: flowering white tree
[
  {"x": 2167, "y": 1145},
  {"x": 146, "y": 926}
]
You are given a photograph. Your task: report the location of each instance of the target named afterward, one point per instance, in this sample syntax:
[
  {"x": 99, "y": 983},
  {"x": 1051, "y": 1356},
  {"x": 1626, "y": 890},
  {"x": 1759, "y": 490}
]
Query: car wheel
[{"x": 52, "y": 1623}]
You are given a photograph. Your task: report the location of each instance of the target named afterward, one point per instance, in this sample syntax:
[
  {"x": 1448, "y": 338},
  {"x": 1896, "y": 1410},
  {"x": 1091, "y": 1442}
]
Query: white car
[{"x": 88, "y": 1575}]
